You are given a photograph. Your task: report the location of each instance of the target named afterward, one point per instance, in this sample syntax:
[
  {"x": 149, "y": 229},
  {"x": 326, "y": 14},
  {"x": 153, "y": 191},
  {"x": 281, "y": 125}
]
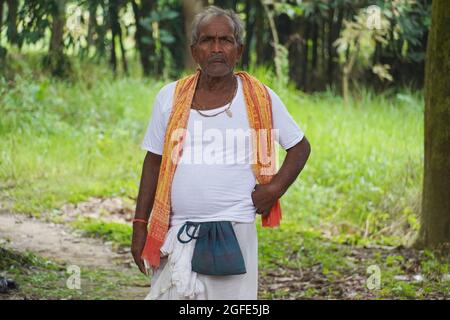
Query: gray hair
[{"x": 213, "y": 11}]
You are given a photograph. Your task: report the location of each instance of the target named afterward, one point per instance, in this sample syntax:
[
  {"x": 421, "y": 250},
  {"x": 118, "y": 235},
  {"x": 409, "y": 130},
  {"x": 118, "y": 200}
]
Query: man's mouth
[{"x": 217, "y": 61}]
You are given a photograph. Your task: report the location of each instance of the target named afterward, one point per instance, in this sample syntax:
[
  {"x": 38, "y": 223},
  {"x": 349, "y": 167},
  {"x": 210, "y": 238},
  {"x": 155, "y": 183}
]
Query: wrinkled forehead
[{"x": 216, "y": 25}]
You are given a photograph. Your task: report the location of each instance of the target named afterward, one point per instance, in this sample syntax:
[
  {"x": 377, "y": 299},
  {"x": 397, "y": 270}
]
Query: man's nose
[{"x": 216, "y": 46}]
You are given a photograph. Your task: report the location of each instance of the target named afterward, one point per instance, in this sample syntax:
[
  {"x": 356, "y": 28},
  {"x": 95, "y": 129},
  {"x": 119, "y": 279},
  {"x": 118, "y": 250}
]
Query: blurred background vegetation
[
  {"x": 78, "y": 79},
  {"x": 314, "y": 44}
]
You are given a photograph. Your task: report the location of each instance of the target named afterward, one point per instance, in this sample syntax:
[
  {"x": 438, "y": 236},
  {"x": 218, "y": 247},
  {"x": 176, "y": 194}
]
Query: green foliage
[
  {"x": 433, "y": 267},
  {"x": 159, "y": 36},
  {"x": 292, "y": 10},
  {"x": 40, "y": 278},
  {"x": 118, "y": 233},
  {"x": 359, "y": 38},
  {"x": 411, "y": 20},
  {"x": 398, "y": 281},
  {"x": 58, "y": 64},
  {"x": 63, "y": 141},
  {"x": 34, "y": 20},
  {"x": 10, "y": 260},
  {"x": 89, "y": 24}
]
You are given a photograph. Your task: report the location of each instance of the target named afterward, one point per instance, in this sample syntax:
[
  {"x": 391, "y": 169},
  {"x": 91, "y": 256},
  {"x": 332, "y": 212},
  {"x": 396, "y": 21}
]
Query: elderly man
[{"x": 202, "y": 188}]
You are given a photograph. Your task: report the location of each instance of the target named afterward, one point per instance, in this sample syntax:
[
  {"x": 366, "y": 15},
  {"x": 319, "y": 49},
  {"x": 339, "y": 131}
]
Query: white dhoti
[{"x": 175, "y": 280}]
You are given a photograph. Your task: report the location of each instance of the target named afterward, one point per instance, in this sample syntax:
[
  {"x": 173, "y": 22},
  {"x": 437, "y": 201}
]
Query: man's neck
[{"x": 216, "y": 84}]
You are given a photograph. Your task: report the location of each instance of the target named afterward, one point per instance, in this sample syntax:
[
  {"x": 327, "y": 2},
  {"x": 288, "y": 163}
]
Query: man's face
[{"x": 216, "y": 50}]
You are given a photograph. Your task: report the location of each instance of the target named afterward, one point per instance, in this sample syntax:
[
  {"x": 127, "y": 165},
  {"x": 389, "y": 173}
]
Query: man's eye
[{"x": 228, "y": 40}]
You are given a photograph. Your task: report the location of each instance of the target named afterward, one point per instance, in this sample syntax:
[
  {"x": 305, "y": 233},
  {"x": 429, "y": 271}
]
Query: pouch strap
[{"x": 186, "y": 227}]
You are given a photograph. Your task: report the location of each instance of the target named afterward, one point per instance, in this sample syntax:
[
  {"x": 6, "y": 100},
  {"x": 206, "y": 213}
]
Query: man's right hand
[
  {"x": 144, "y": 204},
  {"x": 138, "y": 243}
]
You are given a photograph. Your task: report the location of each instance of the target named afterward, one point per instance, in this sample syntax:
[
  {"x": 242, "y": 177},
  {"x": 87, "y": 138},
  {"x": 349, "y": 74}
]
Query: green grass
[
  {"x": 39, "y": 278},
  {"x": 118, "y": 233},
  {"x": 365, "y": 164},
  {"x": 291, "y": 250},
  {"x": 432, "y": 266},
  {"x": 65, "y": 142}
]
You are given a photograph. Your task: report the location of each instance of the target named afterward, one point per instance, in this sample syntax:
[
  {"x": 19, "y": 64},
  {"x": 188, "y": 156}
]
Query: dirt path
[
  {"x": 54, "y": 241},
  {"x": 61, "y": 244}
]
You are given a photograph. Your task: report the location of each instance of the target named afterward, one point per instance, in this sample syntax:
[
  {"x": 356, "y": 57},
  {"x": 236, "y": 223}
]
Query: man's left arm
[{"x": 265, "y": 196}]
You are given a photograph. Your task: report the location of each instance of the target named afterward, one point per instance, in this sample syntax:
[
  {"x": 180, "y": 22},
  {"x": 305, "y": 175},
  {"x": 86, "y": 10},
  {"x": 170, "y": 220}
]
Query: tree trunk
[
  {"x": 112, "y": 16},
  {"x": 1, "y": 19},
  {"x": 113, "y": 57},
  {"x": 117, "y": 32},
  {"x": 295, "y": 54},
  {"x": 315, "y": 35},
  {"x": 143, "y": 35},
  {"x": 331, "y": 48},
  {"x": 249, "y": 28},
  {"x": 263, "y": 51},
  {"x": 56, "y": 61},
  {"x": 59, "y": 20},
  {"x": 276, "y": 41},
  {"x": 323, "y": 42},
  {"x": 11, "y": 18},
  {"x": 435, "y": 217},
  {"x": 2, "y": 50},
  {"x": 190, "y": 9},
  {"x": 333, "y": 34},
  {"x": 122, "y": 50},
  {"x": 305, "y": 54},
  {"x": 92, "y": 25}
]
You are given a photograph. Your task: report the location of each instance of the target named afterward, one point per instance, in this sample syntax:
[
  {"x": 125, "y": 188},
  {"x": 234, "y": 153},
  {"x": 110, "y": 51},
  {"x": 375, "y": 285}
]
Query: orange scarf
[{"x": 259, "y": 110}]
